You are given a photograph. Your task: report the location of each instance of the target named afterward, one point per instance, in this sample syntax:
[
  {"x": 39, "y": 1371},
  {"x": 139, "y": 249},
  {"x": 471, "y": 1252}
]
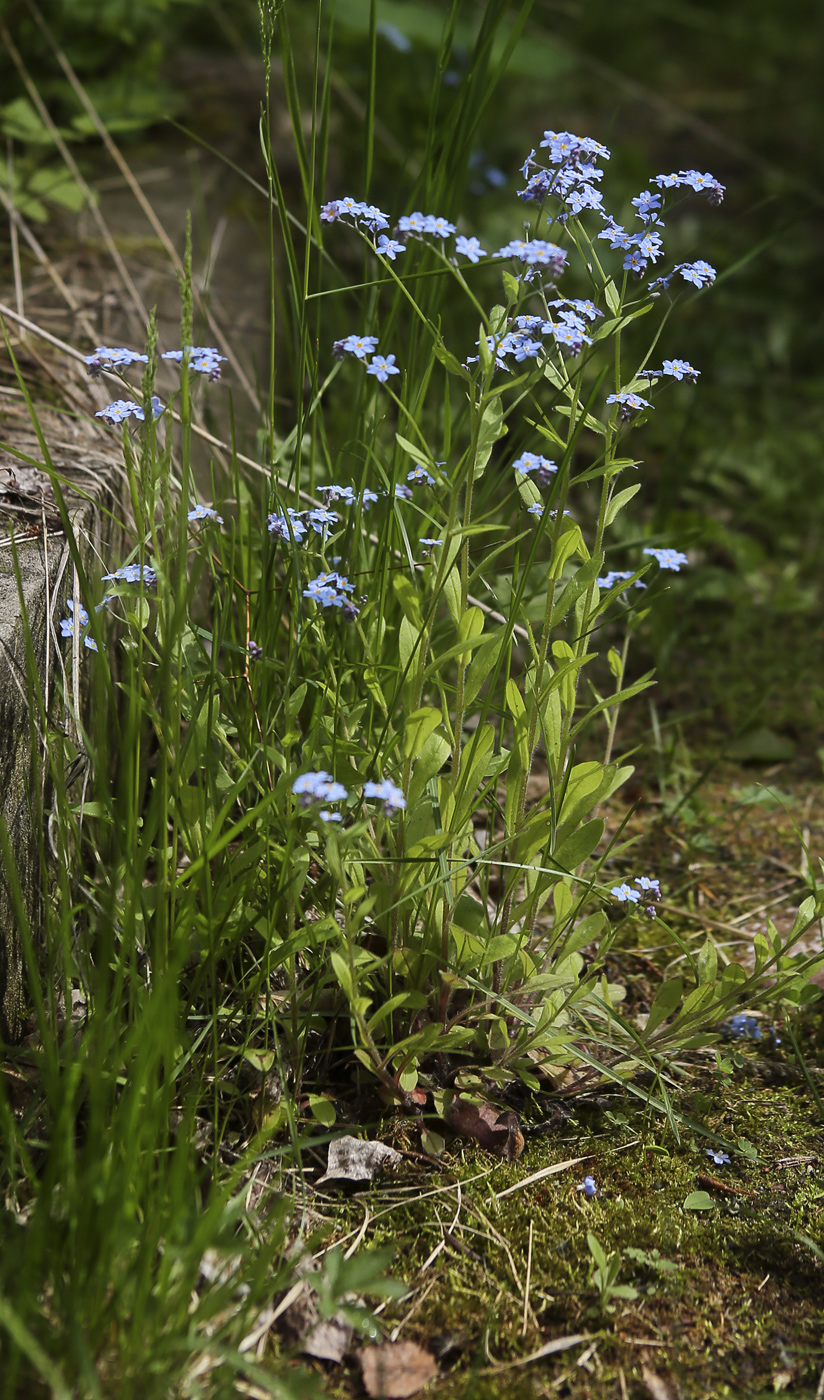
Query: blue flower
[
  {"x": 699, "y": 273},
  {"x": 358, "y": 345},
  {"x": 647, "y": 205},
  {"x": 398, "y": 40},
  {"x": 382, "y": 366},
  {"x": 392, "y": 797},
  {"x": 369, "y": 498},
  {"x": 703, "y": 184},
  {"x": 618, "y": 236},
  {"x": 650, "y": 246},
  {"x": 681, "y": 369},
  {"x": 570, "y": 337},
  {"x": 532, "y": 462},
  {"x": 523, "y": 348},
  {"x": 320, "y": 519},
  {"x": 584, "y": 197},
  {"x": 332, "y": 590},
  {"x": 374, "y": 218},
  {"x": 338, "y": 493},
  {"x": 719, "y": 1158},
  {"x": 330, "y": 816},
  {"x": 535, "y": 252},
  {"x": 469, "y": 248},
  {"x": 288, "y": 526},
  {"x": 589, "y": 1186},
  {"x": 617, "y": 576},
  {"x": 120, "y": 410},
  {"x": 105, "y": 357},
  {"x": 644, "y": 882},
  {"x": 402, "y": 493},
  {"x": 741, "y": 1027},
  {"x": 202, "y": 358},
  {"x": 439, "y": 226},
  {"x": 413, "y": 223},
  {"x": 81, "y": 620},
  {"x": 133, "y": 573},
  {"x": 587, "y": 309},
  {"x": 629, "y": 403},
  {"x": 389, "y": 247},
  {"x": 255, "y": 651},
  {"x": 635, "y": 262},
  {"x": 625, "y": 894},
  {"x": 430, "y": 543},
  {"x": 668, "y": 558},
  {"x": 205, "y": 513},
  {"x": 420, "y": 473},
  {"x": 318, "y": 787}
]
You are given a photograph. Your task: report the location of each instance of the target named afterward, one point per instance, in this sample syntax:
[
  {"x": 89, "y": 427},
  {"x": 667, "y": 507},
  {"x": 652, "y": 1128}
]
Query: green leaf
[
  {"x": 619, "y": 500},
  {"x": 421, "y": 456},
  {"x": 579, "y": 847},
  {"x": 611, "y": 297},
  {"x": 698, "y": 1200},
  {"x": 491, "y": 429},
  {"x": 665, "y": 1003},
  {"x": 419, "y": 725},
  {"x": 448, "y": 360},
  {"x": 707, "y": 963},
  {"x": 430, "y": 760},
  {"x": 322, "y": 1109}
]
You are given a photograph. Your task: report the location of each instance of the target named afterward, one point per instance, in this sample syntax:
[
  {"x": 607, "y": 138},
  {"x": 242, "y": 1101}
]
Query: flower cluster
[
  {"x": 357, "y": 211},
  {"x": 79, "y": 620},
  {"x": 205, "y": 513},
  {"x": 202, "y": 358},
  {"x": 392, "y": 797},
  {"x": 617, "y": 576},
  {"x": 742, "y": 1027},
  {"x": 105, "y": 357},
  {"x": 331, "y": 590},
  {"x": 629, "y": 403},
  {"x": 668, "y": 558},
  {"x": 535, "y": 252},
  {"x": 571, "y": 175},
  {"x": 133, "y": 573},
  {"x": 321, "y": 787},
  {"x": 122, "y": 409},
  {"x": 294, "y": 524},
  {"x": 529, "y": 462},
  {"x": 648, "y": 891},
  {"x": 359, "y": 347}
]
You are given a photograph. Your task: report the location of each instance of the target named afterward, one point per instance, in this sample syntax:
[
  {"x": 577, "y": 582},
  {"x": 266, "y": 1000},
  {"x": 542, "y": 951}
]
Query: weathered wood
[{"x": 33, "y": 599}]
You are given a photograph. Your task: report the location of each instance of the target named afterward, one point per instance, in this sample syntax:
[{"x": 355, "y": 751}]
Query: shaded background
[{"x": 733, "y": 469}]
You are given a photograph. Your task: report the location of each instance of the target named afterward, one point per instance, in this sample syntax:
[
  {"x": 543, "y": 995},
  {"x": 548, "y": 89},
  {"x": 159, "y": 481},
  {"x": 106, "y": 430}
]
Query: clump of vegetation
[{"x": 331, "y": 845}]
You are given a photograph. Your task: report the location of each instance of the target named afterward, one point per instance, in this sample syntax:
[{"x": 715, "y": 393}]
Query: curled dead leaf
[
  {"x": 494, "y": 1129},
  {"x": 396, "y": 1369}
]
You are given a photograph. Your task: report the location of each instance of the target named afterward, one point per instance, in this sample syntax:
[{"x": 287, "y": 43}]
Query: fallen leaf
[
  {"x": 495, "y": 1130},
  {"x": 354, "y": 1159},
  {"x": 327, "y": 1339},
  {"x": 658, "y": 1388},
  {"x": 396, "y": 1369}
]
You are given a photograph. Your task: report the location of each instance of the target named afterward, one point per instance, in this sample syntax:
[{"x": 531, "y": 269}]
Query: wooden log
[{"x": 37, "y": 577}]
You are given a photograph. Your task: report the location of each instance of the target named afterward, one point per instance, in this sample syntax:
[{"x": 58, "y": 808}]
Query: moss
[{"x": 744, "y": 1306}]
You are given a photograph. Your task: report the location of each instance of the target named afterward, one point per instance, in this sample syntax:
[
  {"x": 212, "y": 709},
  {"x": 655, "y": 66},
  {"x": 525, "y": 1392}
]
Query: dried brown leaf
[
  {"x": 495, "y": 1130},
  {"x": 396, "y": 1369}
]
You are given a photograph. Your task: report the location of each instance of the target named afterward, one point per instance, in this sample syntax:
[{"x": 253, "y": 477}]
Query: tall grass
[{"x": 304, "y": 863}]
